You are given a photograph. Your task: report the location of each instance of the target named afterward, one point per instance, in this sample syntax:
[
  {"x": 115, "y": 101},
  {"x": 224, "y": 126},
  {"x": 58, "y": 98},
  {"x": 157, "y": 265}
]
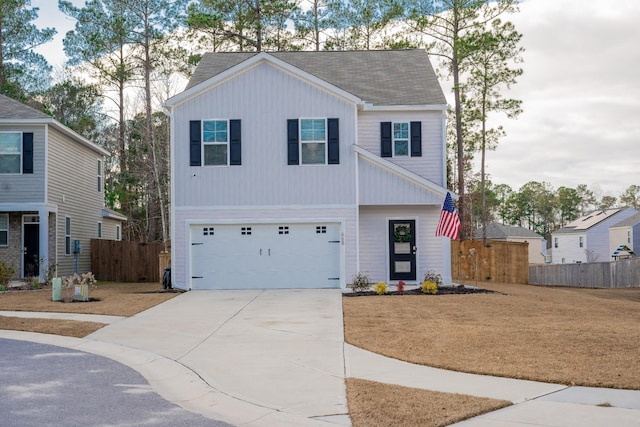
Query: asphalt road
[{"x": 45, "y": 385}]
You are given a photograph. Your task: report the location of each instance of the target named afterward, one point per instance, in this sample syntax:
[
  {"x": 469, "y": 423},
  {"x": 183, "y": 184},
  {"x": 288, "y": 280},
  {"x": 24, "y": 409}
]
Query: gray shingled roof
[
  {"x": 12, "y": 109},
  {"x": 633, "y": 220},
  {"x": 379, "y": 77},
  {"x": 502, "y": 231}
]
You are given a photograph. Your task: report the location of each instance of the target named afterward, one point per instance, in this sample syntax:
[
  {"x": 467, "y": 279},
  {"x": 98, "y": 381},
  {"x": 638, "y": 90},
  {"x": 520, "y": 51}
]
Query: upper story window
[
  {"x": 10, "y": 152},
  {"x": 581, "y": 241},
  {"x": 99, "y": 178},
  {"x": 99, "y": 230},
  {"x": 400, "y": 139},
  {"x": 4, "y": 229},
  {"x": 215, "y": 141},
  {"x": 555, "y": 242},
  {"x": 313, "y": 141},
  {"x": 118, "y": 233},
  {"x": 628, "y": 236}
]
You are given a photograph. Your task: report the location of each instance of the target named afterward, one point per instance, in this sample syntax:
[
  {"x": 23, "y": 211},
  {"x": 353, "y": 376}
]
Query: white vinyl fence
[{"x": 615, "y": 274}]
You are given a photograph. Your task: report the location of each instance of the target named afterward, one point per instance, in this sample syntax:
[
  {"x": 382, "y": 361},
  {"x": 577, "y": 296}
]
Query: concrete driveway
[{"x": 275, "y": 357}]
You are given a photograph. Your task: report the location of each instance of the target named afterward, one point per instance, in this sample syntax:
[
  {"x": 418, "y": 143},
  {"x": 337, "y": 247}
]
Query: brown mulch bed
[{"x": 445, "y": 290}]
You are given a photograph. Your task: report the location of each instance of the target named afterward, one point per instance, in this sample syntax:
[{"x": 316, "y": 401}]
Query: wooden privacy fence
[
  {"x": 122, "y": 261},
  {"x": 497, "y": 261},
  {"x": 616, "y": 274}
]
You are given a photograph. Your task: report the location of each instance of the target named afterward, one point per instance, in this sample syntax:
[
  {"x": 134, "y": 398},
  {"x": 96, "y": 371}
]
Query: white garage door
[{"x": 258, "y": 256}]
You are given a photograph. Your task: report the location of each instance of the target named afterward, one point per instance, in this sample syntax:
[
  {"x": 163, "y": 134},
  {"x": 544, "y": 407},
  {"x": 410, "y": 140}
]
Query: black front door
[
  {"x": 31, "y": 250},
  {"x": 402, "y": 249}
]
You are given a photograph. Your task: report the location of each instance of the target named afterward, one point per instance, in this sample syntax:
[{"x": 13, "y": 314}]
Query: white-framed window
[
  {"x": 581, "y": 241},
  {"x": 10, "y": 152},
  {"x": 67, "y": 236},
  {"x": 401, "y": 139},
  {"x": 4, "y": 229},
  {"x": 99, "y": 229},
  {"x": 628, "y": 236},
  {"x": 118, "y": 234},
  {"x": 313, "y": 141},
  {"x": 99, "y": 176},
  {"x": 555, "y": 242},
  {"x": 215, "y": 142}
]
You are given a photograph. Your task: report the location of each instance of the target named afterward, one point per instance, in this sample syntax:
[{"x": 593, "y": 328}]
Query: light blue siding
[{"x": 263, "y": 98}]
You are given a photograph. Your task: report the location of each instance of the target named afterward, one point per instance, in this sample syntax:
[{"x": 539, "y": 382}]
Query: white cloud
[{"x": 581, "y": 93}]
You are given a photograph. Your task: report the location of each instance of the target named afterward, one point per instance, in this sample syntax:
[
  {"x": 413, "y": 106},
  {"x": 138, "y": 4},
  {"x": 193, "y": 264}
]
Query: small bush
[
  {"x": 6, "y": 273},
  {"x": 434, "y": 277},
  {"x": 401, "y": 286},
  {"x": 2, "y": 288},
  {"x": 360, "y": 283},
  {"x": 380, "y": 288},
  {"x": 429, "y": 287}
]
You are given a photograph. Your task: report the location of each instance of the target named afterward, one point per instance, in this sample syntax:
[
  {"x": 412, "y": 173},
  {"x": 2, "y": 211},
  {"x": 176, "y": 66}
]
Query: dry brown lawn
[
  {"x": 587, "y": 337},
  {"x": 115, "y": 299},
  {"x": 374, "y": 404}
]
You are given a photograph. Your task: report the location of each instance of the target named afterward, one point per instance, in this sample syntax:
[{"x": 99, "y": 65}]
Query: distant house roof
[
  {"x": 589, "y": 220},
  {"x": 503, "y": 231},
  {"x": 12, "y": 111},
  {"x": 632, "y": 220},
  {"x": 378, "y": 77}
]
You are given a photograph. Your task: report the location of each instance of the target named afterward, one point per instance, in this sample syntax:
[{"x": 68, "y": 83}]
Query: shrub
[
  {"x": 360, "y": 283},
  {"x": 69, "y": 284},
  {"x": 6, "y": 273},
  {"x": 2, "y": 288},
  {"x": 434, "y": 277},
  {"x": 401, "y": 286},
  {"x": 429, "y": 287},
  {"x": 380, "y": 288}
]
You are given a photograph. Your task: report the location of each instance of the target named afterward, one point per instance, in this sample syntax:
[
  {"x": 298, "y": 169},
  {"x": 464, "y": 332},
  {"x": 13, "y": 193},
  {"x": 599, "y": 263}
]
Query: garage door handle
[{"x": 269, "y": 252}]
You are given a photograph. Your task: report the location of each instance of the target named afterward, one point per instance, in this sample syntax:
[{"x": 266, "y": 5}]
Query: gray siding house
[
  {"x": 51, "y": 193},
  {"x": 301, "y": 169},
  {"x": 510, "y": 233}
]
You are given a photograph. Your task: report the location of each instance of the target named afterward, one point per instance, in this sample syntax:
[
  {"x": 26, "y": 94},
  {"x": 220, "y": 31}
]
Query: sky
[{"x": 580, "y": 91}]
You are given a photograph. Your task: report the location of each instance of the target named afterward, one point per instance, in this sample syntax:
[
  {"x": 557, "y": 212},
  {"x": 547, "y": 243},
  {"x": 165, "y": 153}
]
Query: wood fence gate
[{"x": 498, "y": 261}]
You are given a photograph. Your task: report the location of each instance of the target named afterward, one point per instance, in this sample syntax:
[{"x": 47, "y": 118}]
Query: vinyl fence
[
  {"x": 616, "y": 274},
  {"x": 498, "y": 261},
  {"x": 123, "y": 261}
]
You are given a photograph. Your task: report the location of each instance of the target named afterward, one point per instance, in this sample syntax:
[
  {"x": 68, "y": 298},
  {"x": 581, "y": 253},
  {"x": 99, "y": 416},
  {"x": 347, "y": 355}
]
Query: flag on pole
[{"x": 449, "y": 223}]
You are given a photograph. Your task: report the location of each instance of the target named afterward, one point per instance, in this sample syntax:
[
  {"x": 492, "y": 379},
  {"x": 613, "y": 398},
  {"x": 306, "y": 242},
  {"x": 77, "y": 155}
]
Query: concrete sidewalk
[{"x": 278, "y": 358}]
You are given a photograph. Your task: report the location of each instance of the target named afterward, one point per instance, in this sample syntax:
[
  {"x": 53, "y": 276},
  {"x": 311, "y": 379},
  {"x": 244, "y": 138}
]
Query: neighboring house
[
  {"x": 625, "y": 233},
  {"x": 510, "y": 233},
  {"x": 587, "y": 238},
  {"x": 51, "y": 193},
  {"x": 301, "y": 169}
]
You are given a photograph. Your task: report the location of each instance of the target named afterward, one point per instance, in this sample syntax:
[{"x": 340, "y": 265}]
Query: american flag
[{"x": 449, "y": 223}]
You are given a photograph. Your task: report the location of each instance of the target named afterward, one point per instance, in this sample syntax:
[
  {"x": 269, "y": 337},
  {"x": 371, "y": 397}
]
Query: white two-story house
[
  {"x": 302, "y": 169},
  {"x": 51, "y": 194},
  {"x": 586, "y": 239}
]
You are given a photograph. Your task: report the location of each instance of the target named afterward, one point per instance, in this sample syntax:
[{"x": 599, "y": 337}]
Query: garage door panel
[{"x": 265, "y": 256}]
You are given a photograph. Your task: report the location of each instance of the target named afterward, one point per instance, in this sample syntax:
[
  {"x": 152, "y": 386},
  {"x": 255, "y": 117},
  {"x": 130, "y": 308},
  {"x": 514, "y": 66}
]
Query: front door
[
  {"x": 402, "y": 249},
  {"x": 31, "y": 250}
]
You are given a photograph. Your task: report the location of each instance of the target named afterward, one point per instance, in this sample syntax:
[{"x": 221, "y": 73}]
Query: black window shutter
[
  {"x": 416, "y": 139},
  {"x": 333, "y": 134},
  {"x": 386, "y": 149},
  {"x": 292, "y": 142},
  {"x": 195, "y": 136},
  {"x": 235, "y": 142},
  {"x": 27, "y": 152}
]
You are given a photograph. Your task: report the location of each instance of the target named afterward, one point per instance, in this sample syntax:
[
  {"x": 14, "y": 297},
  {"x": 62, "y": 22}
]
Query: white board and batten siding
[
  {"x": 430, "y": 165},
  {"x": 256, "y": 98},
  {"x": 374, "y": 240},
  {"x": 286, "y": 261}
]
